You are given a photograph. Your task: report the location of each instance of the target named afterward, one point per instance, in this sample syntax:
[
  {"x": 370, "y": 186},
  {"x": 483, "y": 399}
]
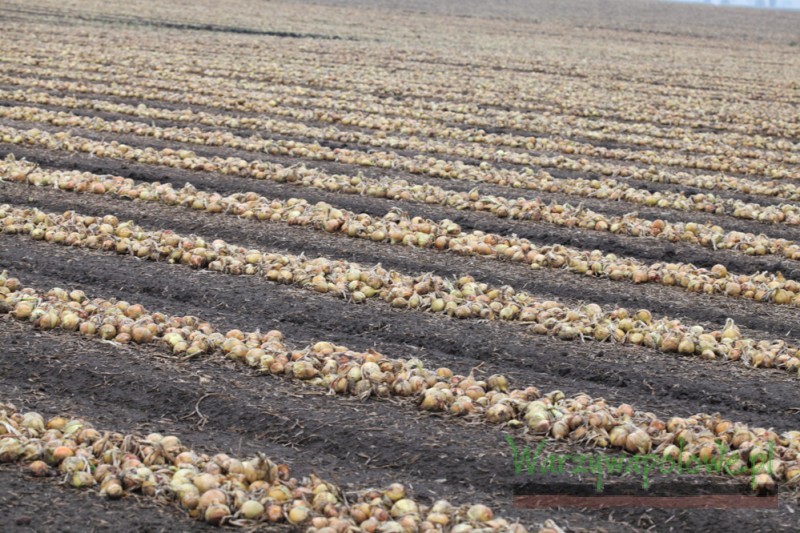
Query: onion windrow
[
  {"x": 383, "y": 123},
  {"x": 346, "y": 106},
  {"x": 604, "y": 189},
  {"x": 399, "y": 228},
  {"x": 460, "y": 297},
  {"x": 579, "y": 418},
  {"x": 565, "y": 215},
  {"x": 220, "y": 489}
]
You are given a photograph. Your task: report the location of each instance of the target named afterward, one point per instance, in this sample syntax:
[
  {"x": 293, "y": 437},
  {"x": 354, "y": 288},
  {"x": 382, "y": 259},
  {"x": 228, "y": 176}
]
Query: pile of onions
[{"x": 556, "y": 107}]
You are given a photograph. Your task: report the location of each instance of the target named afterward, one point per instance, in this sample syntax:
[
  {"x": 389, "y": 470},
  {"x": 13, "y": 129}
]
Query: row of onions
[
  {"x": 480, "y": 110},
  {"x": 579, "y": 418},
  {"x": 400, "y": 228},
  {"x": 564, "y": 215},
  {"x": 355, "y": 111},
  {"x": 603, "y": 188},
  {"x": 671, "y": 152},
  {"x": 484, "y": 173},
  {"x": 220, "y": 489},
  {"x": 429, "y": 99},
  {"x": 461, "y": 298}
]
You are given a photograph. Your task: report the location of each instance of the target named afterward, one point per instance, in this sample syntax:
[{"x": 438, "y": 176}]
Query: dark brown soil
[{"x": 29, "y": 504}]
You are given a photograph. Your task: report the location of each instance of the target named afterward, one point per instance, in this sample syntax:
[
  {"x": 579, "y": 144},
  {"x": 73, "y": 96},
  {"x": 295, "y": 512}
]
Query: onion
[
  {"x": 211, "y": 497},
  {"x": 279, "y": 493},
  {"x": 141, "y": 335},
  {"x": 34, "y": 423},
  {"x": 497, "y": 382},
  {"x": 111, "y": 488},
  {"x": 395, "y": 492},
  {"x": 188, "y": 496},
  {"x": 438, "y": 519},
  {"x": 404, "y": 507},
  {"x": 479, "y": 513},
  {"x": 686, "y": 346},
  {"x": 298, "y": 515},
  {"x": 23, "y": 310},
  {"x": 81, "y": 479},
  {"x": 251, "y": 509},
  {"x": 56, "y": 455},
  {"x": 638, "y": 442},
  {"x": 433, "y": 400},
  {"x": 10, "y": 450},
  {"x": 304, "y": 370},
  {"x": 618, "y": 436},
  {"x": 274, "y": 513},
  {"x": 39, "y": 469},
  {"x": 216, "y": 513},
  {"x": 499, "y": 413},
  {"x": 70, "y": 321},
  {"x": 763, "y": 484}
]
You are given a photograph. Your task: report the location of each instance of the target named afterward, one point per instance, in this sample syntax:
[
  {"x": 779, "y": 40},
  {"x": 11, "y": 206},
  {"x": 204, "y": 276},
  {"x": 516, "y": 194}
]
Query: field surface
[{"x": 372, "y": 241}]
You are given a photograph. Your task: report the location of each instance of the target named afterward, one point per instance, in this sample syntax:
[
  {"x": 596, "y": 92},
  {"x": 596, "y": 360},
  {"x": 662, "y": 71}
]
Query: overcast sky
[{"x": 781, "y": 4}]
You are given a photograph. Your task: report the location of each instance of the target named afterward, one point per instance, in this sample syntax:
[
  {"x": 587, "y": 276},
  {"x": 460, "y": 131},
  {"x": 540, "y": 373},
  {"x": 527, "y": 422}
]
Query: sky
[{"x": 779, "y": 4}]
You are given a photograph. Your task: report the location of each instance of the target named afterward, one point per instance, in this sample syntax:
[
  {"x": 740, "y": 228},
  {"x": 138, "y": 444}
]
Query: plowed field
[{"x": 569, "y": 223}]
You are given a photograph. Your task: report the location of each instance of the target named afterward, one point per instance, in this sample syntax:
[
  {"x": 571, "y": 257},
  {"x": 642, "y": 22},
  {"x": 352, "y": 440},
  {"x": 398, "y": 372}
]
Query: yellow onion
[
  {"x": 499, "y": 413},
  {"x": 638, "y": 441},
  {"x": 188, "y": 495},
  {"x": 216, "y": 512},
  {"x": 111, "y": 488},
  {"x": 211, "y": 497},
  {"x": 81, "y": 479},
  {"x": 33, "y": 422},
  {"x": 39, "y": 469},
  {"x": 480, "y": 513},
  {"x": 251, "y": 509},
  {"x": 404, "y": 507},
  {"x": 395, "y": 492},
  {"x": 10, "y": 449},
  {"x": 298, "y": 515}
]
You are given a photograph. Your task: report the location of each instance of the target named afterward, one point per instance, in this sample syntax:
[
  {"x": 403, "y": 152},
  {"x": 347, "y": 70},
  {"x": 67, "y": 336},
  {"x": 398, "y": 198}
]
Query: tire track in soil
[
  {"x": 644, "y": 248},
  {"x": 607, "y": 207},
  {"x": 661, "y": 383},
  {"x": 766, "y": 320}
]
